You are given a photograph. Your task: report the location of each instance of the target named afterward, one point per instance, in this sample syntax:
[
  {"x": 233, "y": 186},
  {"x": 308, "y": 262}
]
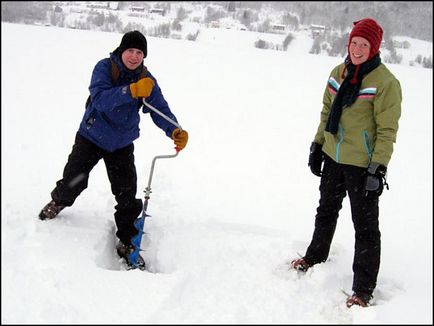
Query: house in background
[{"x": 317, "y": 30}]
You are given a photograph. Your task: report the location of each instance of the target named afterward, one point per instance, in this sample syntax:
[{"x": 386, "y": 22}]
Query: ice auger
[{"x": 139, "y": 223}]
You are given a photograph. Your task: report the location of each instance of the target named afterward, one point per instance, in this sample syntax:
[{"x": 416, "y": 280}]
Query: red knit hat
[{"x": 370, "y": 30}]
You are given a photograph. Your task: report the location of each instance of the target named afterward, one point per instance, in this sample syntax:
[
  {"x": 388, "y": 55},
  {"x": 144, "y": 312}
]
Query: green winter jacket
[{"x": 367, "y": 128}]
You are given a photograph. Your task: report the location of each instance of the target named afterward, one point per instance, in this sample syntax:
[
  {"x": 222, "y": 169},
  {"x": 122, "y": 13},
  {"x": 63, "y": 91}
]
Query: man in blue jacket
[{"x": 109, "y": 126}]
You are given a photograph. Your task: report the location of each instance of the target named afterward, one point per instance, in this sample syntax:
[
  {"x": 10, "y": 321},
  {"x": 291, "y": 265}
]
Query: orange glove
[
  {"x": 142, "y": 88},
  {"x": 180, "y": 138}
]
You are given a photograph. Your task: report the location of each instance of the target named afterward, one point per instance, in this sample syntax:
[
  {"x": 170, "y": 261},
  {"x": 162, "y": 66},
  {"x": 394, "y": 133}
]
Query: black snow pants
[
  {"x": 338, "y": 179},
  {"x": 122, "y": 175}
]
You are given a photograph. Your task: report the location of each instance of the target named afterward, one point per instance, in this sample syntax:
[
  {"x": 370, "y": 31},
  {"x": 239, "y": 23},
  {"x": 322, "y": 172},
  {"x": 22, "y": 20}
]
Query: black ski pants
[
  {"x": 336, "y": 180},
  {"x": 122, "y": 175}
]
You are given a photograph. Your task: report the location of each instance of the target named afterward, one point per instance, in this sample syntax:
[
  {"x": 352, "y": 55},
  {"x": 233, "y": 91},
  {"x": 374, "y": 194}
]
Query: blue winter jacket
[{"x": 111, "y": 120}]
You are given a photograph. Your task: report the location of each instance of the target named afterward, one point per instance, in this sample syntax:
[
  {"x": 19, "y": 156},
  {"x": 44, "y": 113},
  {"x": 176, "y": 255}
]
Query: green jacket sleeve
[{"x": 387, "y": 111}]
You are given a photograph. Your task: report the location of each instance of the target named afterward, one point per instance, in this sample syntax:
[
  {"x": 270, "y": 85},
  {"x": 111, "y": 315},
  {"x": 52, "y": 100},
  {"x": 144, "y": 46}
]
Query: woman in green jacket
[{"x": 354, "y": 140}]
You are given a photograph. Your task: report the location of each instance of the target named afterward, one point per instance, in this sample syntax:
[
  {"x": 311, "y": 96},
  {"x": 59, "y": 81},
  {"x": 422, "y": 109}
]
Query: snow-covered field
[{"x": 228, "y": 213}]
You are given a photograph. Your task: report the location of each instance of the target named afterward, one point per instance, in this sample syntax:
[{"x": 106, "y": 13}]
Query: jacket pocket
[
  {"x": 368, "y": 144},
  {"x": 90, "y": 119}
]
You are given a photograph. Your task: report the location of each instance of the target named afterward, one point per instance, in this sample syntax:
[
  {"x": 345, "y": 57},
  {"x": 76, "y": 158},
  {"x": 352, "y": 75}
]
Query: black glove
[
  {"x": 375, "y": 175},
  {"x": 316, "y": 157}
]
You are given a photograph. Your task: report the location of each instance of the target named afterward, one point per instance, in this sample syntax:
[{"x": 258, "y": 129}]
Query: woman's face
[
  {"x": 132, "y": 58},
  {"x": 359, "y": 50}
]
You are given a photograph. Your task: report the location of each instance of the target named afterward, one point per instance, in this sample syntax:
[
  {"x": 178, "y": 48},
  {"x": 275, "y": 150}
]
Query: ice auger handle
[
  {"x": 148, "y": 188},
  {"x": 162, "y": 114}
]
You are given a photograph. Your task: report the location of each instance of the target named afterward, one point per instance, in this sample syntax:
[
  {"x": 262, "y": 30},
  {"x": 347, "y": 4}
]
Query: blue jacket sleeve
[{"x": 156, "y": 99}]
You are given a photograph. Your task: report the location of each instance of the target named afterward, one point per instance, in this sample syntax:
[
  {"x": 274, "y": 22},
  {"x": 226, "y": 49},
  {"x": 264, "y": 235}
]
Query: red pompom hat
[{"x": 369, "y": 29}]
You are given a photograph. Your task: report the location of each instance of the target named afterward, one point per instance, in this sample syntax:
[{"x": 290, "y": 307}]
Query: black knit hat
[{"x": 135, "y": 40}]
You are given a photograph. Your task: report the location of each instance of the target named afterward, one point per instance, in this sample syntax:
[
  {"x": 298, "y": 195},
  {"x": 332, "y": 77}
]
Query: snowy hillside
[
  {"x": 240, "y": 26},
  {"x": 228, "y": 213}
]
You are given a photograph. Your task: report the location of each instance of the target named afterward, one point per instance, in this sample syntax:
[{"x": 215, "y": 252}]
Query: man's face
[{"x": 132, "y": 58}]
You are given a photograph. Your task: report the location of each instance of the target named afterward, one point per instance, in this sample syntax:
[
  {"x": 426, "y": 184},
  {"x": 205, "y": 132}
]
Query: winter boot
[
  {"x": 50, "y": 211},
  {"x": 124, "y": 251},
  {"x": 359, "y": 299},
  {"x": 300, "y": 265}
]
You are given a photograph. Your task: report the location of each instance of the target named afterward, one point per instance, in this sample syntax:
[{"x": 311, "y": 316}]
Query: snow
[
  {"x": 228, "y": 214},
  {"x": 417, "y": 47}
]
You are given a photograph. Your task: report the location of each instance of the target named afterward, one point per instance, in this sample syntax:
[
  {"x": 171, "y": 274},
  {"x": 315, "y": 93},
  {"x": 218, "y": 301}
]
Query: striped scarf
[{"x": 349, "y": 90}]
